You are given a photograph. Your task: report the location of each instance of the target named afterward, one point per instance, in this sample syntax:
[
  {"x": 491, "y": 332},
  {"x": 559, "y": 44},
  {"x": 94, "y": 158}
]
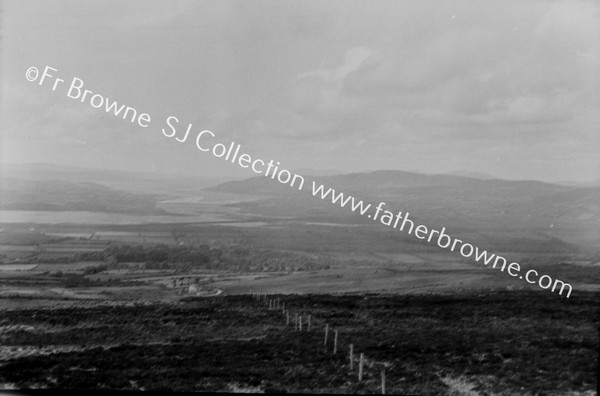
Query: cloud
[
  {"x": 398, "y": 84},
  {"x": 355, "y": 57}
]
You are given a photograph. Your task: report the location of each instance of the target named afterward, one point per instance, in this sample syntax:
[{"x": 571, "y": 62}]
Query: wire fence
[{"x": 335, "y": 341}]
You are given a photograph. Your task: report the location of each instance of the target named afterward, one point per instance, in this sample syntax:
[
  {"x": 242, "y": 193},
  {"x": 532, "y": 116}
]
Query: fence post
[
  {"x": 360, "y": 366},
  {"x": 326, "y": 333},
  {"x": 295, "y": 321},
  {"x": 351, "y": 356},
  {"x": 308, "y": 324},
  {"x": 383, "y": 382},
  {"x": 287, "y": 318},
  {"x": 335, "y": 337},
  {"x": 300, "y": 323}
]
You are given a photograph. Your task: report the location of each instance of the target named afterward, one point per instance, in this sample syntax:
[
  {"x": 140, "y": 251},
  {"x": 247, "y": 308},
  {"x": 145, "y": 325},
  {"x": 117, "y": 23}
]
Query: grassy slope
[{"x": 506, "y": 342}]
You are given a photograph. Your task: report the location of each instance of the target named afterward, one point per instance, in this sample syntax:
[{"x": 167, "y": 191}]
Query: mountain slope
[
  {"x": 16, "y": 194},
  {"x": 523, "y": 210}
]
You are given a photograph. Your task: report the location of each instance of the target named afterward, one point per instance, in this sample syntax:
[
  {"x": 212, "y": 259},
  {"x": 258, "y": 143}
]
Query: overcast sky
[{"x": 508, "y": 88}]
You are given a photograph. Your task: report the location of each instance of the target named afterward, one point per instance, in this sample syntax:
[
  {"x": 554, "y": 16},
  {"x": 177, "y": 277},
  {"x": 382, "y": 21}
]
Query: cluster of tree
[
  {"x": 230, "y": 258},
  {"x": 95, "y": 269},
  {"x": 67, "y": 258},
  {"x": 553, "y": 260},
  {"x": 71, "y": 280}
]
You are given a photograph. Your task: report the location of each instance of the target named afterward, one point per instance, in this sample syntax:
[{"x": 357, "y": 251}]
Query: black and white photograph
[{"x": 300, "y": 196}]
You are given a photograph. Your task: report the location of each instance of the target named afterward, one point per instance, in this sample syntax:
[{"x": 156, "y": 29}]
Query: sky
[{"x": 510, "y": 89}]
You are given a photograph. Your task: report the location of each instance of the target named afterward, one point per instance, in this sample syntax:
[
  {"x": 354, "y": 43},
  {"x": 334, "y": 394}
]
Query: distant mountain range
[
  {"x": 137, "y": 182},
  {"x": 66, "y": 188},
  {"x": 60, "y": 195},
  {"x": 473, "y": 175},
  {"x": 41, "y": 171},
  {"x": 389, "y": 183},
  {"x": 547, "y": 210}
]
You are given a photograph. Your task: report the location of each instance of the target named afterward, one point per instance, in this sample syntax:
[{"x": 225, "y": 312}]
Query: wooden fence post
[
  {"x": 335, "y": 337},
  {"x": 326, "y": 333},
  {"x": 308, "y": 324},
  {"x": 383, "y": 382},
  {"x": 287, "y": 318},
  {"x": 351, "y": 356},
  {"x": 300, "y": 323},
  {"x": 360, "y": 366}
]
